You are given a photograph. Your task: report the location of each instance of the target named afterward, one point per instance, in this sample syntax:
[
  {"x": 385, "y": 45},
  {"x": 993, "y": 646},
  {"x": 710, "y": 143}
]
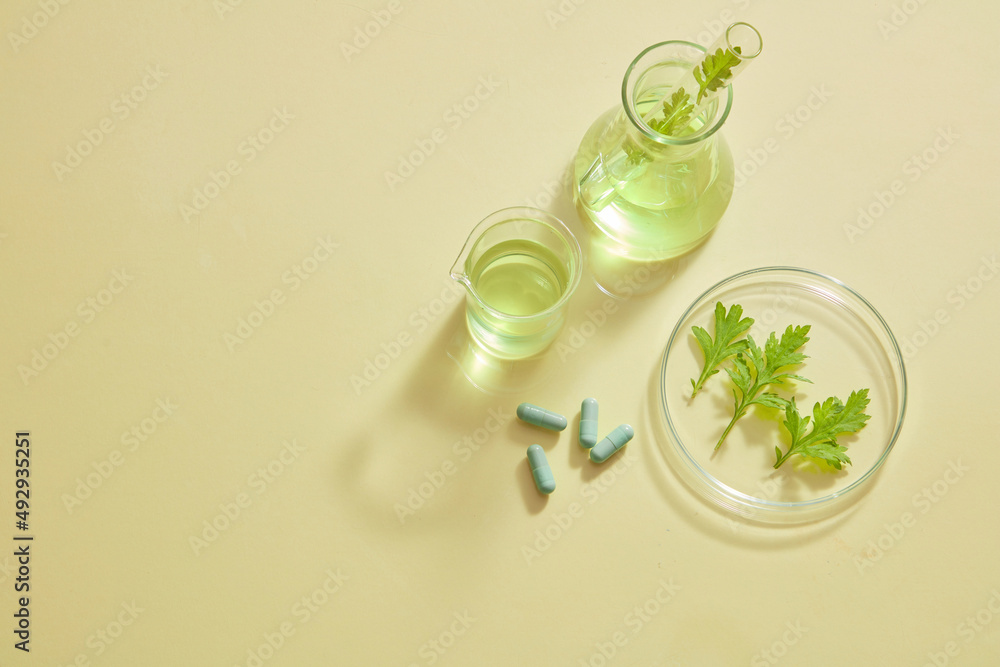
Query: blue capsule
[
  {"x": 588, "y": 423},
  {"x": 611, "y": 444},
  {"x": 540, "y": 417},
  {"x": 545, "y": 481}
]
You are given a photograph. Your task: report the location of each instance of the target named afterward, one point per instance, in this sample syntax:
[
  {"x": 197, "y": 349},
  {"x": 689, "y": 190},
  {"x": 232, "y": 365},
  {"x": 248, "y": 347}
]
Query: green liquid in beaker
[{"x": 519, "y": 277}]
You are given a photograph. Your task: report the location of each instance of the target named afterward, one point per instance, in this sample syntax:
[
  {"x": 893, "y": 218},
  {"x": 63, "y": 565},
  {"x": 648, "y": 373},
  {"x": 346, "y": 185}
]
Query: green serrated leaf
[
  {"x": 754, "y": 352},
  {"x": 830, "y": 419},
  {"x": 703, "y": 337},
  {"x": 636, "y": 155},
  {"x": 716, "y": 71},
  {"x": 833, "y": 454},
  {"x": 713, "y": 73},
  {"x": 740, "y": 372},
  {"x": 728, "y": 329},
  {"x": 763, "y": 368},
  {"x": 676, "y": 113},
  {"x": 771, "y": 401},
  {"x": 785, "y": 352}
]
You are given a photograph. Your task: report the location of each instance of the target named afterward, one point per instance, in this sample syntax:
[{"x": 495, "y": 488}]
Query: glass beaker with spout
[
  {"x": 651, "y": 193},
  {"x": 519, "y": 267}
]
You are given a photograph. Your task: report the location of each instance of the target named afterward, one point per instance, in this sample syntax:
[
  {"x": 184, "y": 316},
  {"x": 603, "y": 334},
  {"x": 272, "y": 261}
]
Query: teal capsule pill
[
  {"x": 588, "y": 423},
  {"x": 611, "y": 444},
  {"x": 533, "y": 414},
  {"x": 545, "y": 482}
]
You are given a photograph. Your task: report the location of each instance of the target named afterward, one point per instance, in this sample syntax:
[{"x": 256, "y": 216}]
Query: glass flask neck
[{"x": 651, "y": 75}]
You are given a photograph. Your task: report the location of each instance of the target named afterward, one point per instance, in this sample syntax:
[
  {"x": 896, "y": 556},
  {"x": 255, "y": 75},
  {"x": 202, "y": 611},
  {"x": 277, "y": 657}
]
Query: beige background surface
[{"x": 128, "y": 305}]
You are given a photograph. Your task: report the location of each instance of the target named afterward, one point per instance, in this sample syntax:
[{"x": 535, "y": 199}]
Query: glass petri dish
[{"x": 850, "y": 347}]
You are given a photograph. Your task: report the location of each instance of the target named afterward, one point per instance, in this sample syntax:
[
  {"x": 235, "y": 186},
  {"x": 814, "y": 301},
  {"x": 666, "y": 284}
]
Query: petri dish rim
[{"x": 774, "y": 511}]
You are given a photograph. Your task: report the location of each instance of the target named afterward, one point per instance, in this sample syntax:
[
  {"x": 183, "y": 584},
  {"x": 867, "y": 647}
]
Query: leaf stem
[
  {"x": 740, "y": 411},
  {"x": 705, "y": 374},
  {"x": 784, "y": 457}
]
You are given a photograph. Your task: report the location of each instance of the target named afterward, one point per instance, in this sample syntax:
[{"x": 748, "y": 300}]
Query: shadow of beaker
[
  {"x": 489, "y": 373},
  {"x": 622, "y": 277}
]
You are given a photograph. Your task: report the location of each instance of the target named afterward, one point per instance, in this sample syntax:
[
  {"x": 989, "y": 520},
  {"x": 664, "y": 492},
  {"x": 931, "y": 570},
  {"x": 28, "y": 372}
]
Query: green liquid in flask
[{"x": 669, "y": 205}]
